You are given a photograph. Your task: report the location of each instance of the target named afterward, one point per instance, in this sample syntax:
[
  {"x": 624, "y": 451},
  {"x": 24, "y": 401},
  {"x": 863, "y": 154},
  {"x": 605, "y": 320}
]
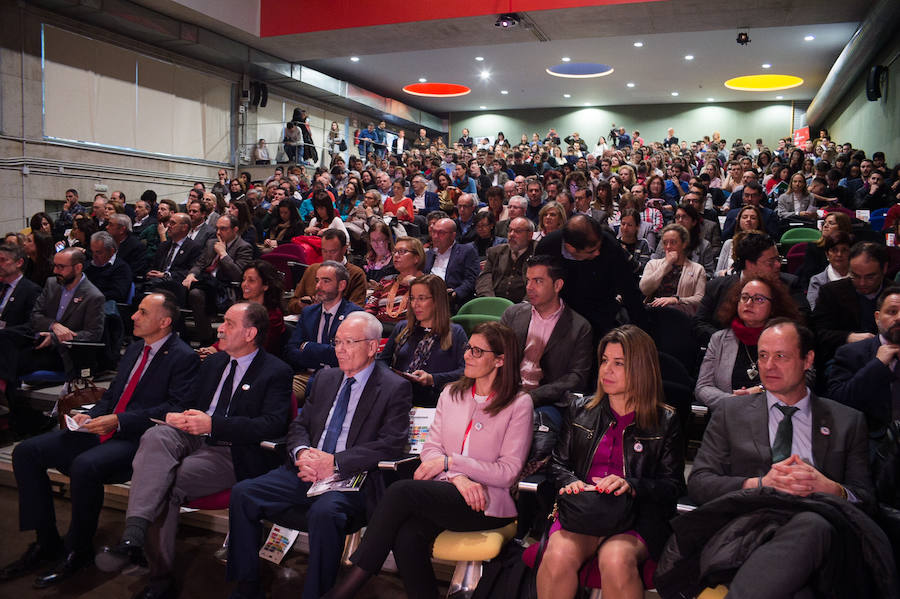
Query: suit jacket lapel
[
  {"x": 370, "y": 395},
  {"x": 318, "y": 422},
  {"x": 521, "y": 323},
  {"x": 248, "y": 377},
  {"x": 336, "y": 320},
  {"x": 759, "y": 426},
  {"x": 563, "y": 327},
  {"x": 79, "y": 292},
  {"x": 313, "y": 322},
  {"x": 822, "y": 423}
]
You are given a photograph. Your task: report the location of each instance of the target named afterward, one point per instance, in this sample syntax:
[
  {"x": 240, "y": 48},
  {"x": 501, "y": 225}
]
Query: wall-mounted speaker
[
  {"x": 263, "y": 95},
  {"x": 873, "y": 82}
]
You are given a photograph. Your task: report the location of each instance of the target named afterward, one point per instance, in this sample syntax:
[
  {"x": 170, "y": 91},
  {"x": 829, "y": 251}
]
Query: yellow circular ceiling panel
[{"x": 763, "y": 83}]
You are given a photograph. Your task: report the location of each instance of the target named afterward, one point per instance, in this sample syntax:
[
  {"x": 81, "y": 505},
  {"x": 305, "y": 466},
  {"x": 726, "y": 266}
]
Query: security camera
[
  {"x": 743, "y": 38},
  {"x": 505, "y": 21}
]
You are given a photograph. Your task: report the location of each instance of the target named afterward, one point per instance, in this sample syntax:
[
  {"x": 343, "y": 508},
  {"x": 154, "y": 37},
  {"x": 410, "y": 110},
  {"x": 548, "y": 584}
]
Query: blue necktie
[
  {"x": 784, "y": 434},
  {"x": 337, "y": 417},
  {"x": 225, "y": 393},
  {"x": 326, "y": 338}
]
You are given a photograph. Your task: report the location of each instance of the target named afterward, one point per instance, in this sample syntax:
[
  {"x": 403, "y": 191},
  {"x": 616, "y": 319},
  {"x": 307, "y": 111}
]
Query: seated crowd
[{"x": 321, "y": 310}]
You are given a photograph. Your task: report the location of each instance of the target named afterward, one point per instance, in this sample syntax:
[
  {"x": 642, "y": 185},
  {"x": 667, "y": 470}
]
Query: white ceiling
[{"x": 392, "y": 56}]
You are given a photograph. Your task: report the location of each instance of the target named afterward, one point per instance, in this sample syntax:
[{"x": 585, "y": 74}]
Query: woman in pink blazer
[{"x": 474, "y": 452}]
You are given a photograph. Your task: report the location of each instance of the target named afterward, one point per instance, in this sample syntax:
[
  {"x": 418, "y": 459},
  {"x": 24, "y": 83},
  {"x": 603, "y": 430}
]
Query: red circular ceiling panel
[{"x": 437, "y": 90}]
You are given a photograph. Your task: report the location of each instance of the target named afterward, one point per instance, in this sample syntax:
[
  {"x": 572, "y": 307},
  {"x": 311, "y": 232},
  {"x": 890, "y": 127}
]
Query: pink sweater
[{"x": 497, "y": 448}]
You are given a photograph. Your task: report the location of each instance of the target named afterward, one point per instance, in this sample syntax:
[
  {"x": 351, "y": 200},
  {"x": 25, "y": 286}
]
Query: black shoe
[
  {"x": 158, "y": 591},
  {"x": 35, "y": 556},
  {"x": 113, "y": 559},
  {"x": 73, "y": 562}
]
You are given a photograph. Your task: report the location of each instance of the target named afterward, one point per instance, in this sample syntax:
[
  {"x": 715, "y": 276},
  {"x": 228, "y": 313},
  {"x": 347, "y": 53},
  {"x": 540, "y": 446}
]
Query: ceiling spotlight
[
  {"x": 354, "y": 59},
  {"x": 587, "y": 103},
  {"x": 567, "y": 95},
  {"x": 479, "y": 58},
  {"x": 423, "y": 80},
  {"x": 809, "y": 38},
  {"x": 505, "y": 21},
  {"x": 485, "y": 74},
  {"x": 689, "y": 57},
  {"x": 504, "y": 92},
  {"x": 565, "y": 59},
  {"x": 710, "y": 99},
  {"x": 638, "y": 44},
  {"x": 483, "y": 107},
  {"x": 779, "y": 97},
  {"x": 743, "y": 38},
  {"x": 629, "y": 84},
  {"x": 674, "y": 93},
  {"x": 766, "y": 65}
]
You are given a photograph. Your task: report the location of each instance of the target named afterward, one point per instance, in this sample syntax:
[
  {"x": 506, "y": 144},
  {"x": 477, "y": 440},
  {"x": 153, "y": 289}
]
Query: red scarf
[{"x": 746, "y": 335}]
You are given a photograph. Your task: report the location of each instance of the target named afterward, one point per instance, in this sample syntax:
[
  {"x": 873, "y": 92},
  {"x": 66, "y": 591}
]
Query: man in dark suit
[
  {"x": 175, "y": 257},
  {"x": 845, "y": 309},
  {"x": 334, "y": 247},
  {"x": 356, "y": 415},
  {"x": 209, "y": 281},
  {"x": 17, "y": 294},
  {"x": 200, "y": 232},
  {"x": 753, "y": 195},
  {"x": 146, "y": 229},
  {"x": 865, "y": 375},
  {"x": 68, "y": 308},
  {"x": 423, "y": 201},
  {"x": 311, "y": 346},
  {"x": 130, "y": 249},
  {"x": 240, "y": 396},
  {"x": 756, "y": 254},
  {"x": 790, "y": 440},
  {"x": 102, "y": 453},
  {"x": 503, "y": 274},
  {"x": 456, "y": 263},
  {"x": 555, "y": 340},
  {"x": 106, "y": 270}
]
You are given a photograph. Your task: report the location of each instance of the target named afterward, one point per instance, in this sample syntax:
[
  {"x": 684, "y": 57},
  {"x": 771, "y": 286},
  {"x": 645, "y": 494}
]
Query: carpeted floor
[{"x": 198, "y": 573}]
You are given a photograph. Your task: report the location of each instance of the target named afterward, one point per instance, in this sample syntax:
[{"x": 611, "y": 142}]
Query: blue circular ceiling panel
[{"x": 580, "y": 70}]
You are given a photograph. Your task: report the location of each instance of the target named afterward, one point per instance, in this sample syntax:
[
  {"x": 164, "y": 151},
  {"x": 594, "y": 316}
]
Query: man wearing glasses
[
  {"x": 69, "y": 308},
  {"x": 752, "y": 194},
  {"x": 845, "y": 309},
  {"x": 503, "y": 274},
  {"x": 355, "y": 416}
]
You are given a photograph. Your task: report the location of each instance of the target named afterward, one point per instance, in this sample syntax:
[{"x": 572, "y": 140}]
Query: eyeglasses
[
  {"x": 421, "y": 298},
  {"x": 401, "y": 251},
  {"x": 746, "y": 298},
  {"x": 347, "y": 342},
  {"x": 477, "y": 352}
]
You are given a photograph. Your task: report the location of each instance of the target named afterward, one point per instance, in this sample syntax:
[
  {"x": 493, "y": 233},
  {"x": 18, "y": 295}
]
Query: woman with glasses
[
  {"x": 398, "y": 204},
  {"x": 389, "y": 300},
  {"x": 474, "y": 452},
  {"x": 698, "y": 249},
  {"x": 623, "y": 439},
  {"x": 379, "y": 253},
  {"x": 730, "y": 365},
  {"x": 427, "y": 348},
  {"x": 674, "y": 280},
  {"x": 837, "y": 249}
]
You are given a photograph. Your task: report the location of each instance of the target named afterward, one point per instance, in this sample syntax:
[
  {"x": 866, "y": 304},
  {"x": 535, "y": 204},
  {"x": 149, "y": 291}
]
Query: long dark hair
[
  {"x": 440, "y": 325},
  {"x": 272, "y": 279},
  {"x": 695, "y": 231},
  {"x": 502, "y": 341},
  {"x": 321, "y": 199}
]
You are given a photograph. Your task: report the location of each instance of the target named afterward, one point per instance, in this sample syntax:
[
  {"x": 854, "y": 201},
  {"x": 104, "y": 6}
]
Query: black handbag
[
  {"x": 595, "y": 514},
  {"x": 342, "y": 146},
  {"x": 886, "y": 466}
]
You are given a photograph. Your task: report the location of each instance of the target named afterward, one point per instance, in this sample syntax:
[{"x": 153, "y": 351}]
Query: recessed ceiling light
[
  {"x": 423, "y": 80},
  {"x": 674, "y": 93},
  {"x": 485, "y": 74},
  {"x": 587, "y": 103},
  {"x": 436, "y": 90},
  {"x": 565, "y": 59},
  {"x": 710, "y": 100},
  {"x": 809, "y": 38},
  {"x": 354, "y": 58},
  {"x": 638, "y": 44},
  {"x": 766, "y": 65},
  {"x": 479, "y": 58},
  {"x": 483, "y": 107},
  {"x": 763, "y": 83},
  {"x": 567, "y": 95},
  {"x": 689, "y": 57},
  {"x": 629, "y": 84},
  {"x": 504, "y": 92},
  {"x": 579, "y": 70},
  {"x": 779, "y": 97}
]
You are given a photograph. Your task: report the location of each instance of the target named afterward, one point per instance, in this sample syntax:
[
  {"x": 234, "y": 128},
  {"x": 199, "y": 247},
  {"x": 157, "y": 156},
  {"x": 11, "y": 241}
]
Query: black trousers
[
  {"x": 409, "y": 517},
  {"x": 89, "y": 465}
]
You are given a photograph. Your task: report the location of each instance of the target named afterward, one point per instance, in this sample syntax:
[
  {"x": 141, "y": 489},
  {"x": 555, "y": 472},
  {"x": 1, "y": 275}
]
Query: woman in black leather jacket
[{"x": 623, "y": 439}]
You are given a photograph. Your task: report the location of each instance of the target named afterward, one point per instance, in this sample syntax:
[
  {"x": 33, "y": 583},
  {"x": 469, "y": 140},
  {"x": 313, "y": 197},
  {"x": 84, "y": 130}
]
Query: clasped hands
[
  {"x": 314, "y": 464},
  {"x": 193, "y": 422},
  {"x": 606, "y": 484},
  {"x": 794, "y": 476},
  {"x": 472, "y": 492}
]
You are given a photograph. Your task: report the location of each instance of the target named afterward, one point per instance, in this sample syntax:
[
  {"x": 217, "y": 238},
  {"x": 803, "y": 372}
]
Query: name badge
[
  {"x": 245, "y": 387},
  {"x": 638, "y": 447}
]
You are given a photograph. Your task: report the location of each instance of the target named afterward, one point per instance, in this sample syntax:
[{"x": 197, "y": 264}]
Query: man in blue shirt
[{"x": 675, "y": 187}]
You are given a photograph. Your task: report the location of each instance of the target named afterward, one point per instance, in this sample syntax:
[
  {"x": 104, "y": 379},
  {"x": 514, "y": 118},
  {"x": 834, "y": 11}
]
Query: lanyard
[{"x": 471, "y": 420}]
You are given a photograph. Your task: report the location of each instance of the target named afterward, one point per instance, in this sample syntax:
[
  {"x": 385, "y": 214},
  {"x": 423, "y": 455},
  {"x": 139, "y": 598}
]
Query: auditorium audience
[
  {"x": 379, "y": 252},
  {"x": 39, "y": 250},
  {"x": 456, "y": 263},
  {"x": 480, "y": 463},
  {"x": 837, "y": 250},
  {"x": 334, "y": 247},
  {"x": 640, "y": 453},
  {"x": 729, "y": 366},
  {"x": 426, "y": 348}
]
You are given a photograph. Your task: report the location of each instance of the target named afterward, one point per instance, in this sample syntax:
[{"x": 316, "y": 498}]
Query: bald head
[{"x": 444, "y": 234}]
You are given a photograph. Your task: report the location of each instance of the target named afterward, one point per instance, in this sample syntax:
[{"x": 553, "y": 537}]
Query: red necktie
[{"x": 129, "y": 389}]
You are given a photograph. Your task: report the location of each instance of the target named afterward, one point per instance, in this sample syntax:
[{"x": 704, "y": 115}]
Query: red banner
[{"x": 800, "y": 136}]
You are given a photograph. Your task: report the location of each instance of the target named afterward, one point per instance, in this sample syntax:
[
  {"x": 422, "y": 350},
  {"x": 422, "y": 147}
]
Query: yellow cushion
[
  {"x": 476, "y": 546},
  {"x": 717, "y": 593}
]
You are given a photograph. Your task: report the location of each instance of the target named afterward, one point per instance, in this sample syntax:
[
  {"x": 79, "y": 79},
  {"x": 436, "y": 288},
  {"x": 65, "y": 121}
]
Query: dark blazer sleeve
[
  {"x": 712, "y": 474},
  {"x": 567, "y": 359},
  {"x": 469, "y": 267},
  {"x": 86, "y": 319},
  {"x": 18, "y": 307},
  {"x": 314, "y": 355},
  {"x": 319, "y": 397},
  {"x": 827, "y": 320},
  {"x": 728, "y": 227},
  {"x": 110, "y": 398},
  {"x": 232, "y": 265},
  {"x": 860, "y": 380},
  {"x": 451, "y": 360},
  {"x": 484, "y": 284}
]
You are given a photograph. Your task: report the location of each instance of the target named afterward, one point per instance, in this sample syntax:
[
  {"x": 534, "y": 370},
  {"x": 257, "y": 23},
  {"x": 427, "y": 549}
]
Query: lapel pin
[
  {"x": 245, "y": 387},
  {"x": 478, "y": 426},
  {"x": 825, "y": 431},
  {"x": 76, "y": 300},
  {"x": 341, "y": 317},
  {"x": 638, "y": 447}
]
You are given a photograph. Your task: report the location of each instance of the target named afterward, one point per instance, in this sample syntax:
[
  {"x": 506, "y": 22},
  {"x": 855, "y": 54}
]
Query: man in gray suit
[
  {"x": 790, "y": 440},
  {"x": 209, "y": 281},
  {"x": 556, "y": 340},
  {"x": 503, "y": 273},
  {"x": 69, "y": 308}
]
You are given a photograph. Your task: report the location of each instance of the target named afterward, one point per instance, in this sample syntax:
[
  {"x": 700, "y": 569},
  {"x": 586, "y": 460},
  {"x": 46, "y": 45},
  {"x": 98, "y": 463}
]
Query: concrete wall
[
  {"x": 747, "y": 120},
  {"x": 871, "y": 126}
]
